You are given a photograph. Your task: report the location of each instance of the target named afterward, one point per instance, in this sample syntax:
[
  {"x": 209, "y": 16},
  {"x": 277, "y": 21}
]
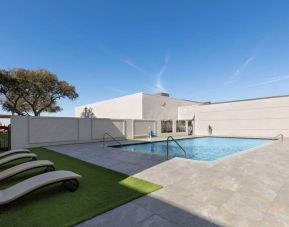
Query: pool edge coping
[{"x": 203, "y": 162}]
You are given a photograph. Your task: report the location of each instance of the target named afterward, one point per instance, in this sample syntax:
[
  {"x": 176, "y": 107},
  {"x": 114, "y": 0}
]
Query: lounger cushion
[
  {"x": 16, "y": 157},
  {"x": 33, "y": 183},
  {"x": 11, "y": 152},
  {"x": 24, "y": 167}
]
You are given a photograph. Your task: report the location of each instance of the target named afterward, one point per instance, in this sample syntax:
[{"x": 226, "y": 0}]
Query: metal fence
[
  {"x": 5, "y": 135},
  {"x": 5, "y": 143}
]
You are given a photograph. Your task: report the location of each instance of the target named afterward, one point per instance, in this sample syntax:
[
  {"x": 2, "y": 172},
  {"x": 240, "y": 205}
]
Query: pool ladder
[
  {"x": 172, "y": 138},
  {"x": 280, "y": 135},
  {"x": 114, "y": 139}
]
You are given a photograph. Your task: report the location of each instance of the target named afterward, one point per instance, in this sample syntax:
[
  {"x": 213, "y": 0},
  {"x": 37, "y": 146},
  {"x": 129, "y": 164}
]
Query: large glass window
[
  {"x": 181, "y": 126},
  {"x": 166, "y": 126}
]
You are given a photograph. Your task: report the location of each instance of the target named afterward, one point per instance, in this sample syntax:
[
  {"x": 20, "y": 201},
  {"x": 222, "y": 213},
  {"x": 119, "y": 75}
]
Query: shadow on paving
[
  {"x": 118, "y": 159},
  {"x": 148, "y": 211}
]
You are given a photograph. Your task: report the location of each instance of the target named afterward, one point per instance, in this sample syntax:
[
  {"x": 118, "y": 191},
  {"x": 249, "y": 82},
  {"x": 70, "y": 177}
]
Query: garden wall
[
  {"x": 42, "y": 131},
  {"x": 45, "y": 131}
]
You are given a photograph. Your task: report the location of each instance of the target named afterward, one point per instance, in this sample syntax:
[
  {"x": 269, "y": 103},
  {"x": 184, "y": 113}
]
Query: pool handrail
[
  {"x": 279, "y": 135},
  {"x": 172, "y": 138},
  {"x": 114, "y": 139}
]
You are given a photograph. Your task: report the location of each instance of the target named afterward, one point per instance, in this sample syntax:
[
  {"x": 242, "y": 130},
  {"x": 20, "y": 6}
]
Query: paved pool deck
[{"x": 249, "y": 188}]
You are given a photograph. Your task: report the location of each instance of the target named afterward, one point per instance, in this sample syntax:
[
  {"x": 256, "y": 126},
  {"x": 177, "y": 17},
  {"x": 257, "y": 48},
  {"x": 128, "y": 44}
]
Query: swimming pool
[{"x": 203, "y": 148}]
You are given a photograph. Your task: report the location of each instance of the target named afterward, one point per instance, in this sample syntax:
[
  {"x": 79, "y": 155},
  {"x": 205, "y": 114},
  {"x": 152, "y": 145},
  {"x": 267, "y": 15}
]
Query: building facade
[{"x": 139, "y": 106}]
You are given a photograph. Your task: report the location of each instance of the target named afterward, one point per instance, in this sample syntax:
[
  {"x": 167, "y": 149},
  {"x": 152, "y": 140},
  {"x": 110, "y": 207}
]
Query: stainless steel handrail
[
  {"x": 103, "y": 139},
  {"x": 172, "y": 138},
  {"x": 281, "y": 135}
]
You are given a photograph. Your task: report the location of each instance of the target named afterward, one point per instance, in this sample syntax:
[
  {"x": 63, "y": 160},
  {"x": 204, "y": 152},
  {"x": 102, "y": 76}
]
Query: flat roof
[
  {"x": 252, "y": 99},
  {"x": 170, "y": 97}
]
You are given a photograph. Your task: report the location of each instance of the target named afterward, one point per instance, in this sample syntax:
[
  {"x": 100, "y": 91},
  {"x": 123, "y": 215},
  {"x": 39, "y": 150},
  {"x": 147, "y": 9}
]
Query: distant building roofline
[
  {"x": 167, "y": 96},
  {"x": 244, "y": 100}
]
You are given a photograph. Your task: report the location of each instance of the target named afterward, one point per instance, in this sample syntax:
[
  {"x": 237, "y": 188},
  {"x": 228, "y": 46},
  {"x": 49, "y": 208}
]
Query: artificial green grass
[{"x": 100, "y": 190}]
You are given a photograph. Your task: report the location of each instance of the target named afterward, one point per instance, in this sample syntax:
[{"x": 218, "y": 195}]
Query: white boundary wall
[
  {"x": 260, "y": 117},
  {"x": 42, "y": 131},
  {"x": 45, "y": 131}
]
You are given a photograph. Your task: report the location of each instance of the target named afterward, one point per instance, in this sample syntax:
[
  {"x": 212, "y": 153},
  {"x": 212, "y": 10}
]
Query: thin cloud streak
[
  {"x": 159, "y": 86},
  {"x": 124, "y": 60},
  {"x": 132, "y": 65},
  {"x": 237, "y": 74},
  {"x": 271, "y": 81}
]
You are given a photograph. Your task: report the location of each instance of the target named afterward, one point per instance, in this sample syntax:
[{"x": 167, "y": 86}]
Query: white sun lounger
[
  {"x": 69, "y": 179},
  {"x": 12, "y": 152},
  {"x": 49, "y": 166},
  {"x": 11, "y": 158}
]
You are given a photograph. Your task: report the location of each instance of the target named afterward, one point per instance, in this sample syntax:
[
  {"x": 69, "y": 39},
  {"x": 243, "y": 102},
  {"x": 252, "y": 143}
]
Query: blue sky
[{"x": 199, "y": 50}]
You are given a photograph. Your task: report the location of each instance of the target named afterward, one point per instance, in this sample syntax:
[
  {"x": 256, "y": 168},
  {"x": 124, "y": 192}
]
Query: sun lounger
[
  {"x": 12, "y": 152},
  {"x": 49, "y": 166},
  {"x": 68, "y": 178},
  {"x": 12, "y": 158}
]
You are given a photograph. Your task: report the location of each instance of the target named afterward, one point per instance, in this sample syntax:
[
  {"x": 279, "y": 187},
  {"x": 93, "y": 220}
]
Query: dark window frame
[{"x": 181, "y": 126}]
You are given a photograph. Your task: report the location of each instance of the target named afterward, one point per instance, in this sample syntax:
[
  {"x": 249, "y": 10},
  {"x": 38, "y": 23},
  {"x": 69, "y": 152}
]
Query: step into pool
[{"x": 202, "y": 148}]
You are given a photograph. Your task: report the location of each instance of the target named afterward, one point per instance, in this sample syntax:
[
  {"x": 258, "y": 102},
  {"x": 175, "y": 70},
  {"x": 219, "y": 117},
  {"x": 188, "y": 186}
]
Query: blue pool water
[{"x": 204, "y": 148}]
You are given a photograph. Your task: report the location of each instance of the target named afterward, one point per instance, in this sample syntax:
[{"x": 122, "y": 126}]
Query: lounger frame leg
[
  {"x": 49, "y": 169},
  {"x": 71, "y": 185}
]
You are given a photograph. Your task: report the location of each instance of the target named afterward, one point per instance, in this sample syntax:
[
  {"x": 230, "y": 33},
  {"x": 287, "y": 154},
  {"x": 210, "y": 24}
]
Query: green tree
[
  {"x": 33, "y": 91},
  {"x": 87, "y": 113}
]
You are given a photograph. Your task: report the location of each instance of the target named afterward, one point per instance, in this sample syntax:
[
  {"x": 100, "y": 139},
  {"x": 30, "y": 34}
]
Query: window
[
  {"x": 190, "y": 128},
  {"x": 180, "y": 126},
  {"x": 166, "y": 126}
]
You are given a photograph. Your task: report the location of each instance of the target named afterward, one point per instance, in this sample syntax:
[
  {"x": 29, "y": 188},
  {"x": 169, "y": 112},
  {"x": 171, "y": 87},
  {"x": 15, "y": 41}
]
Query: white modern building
[
  {"x": 267, "y": 116},
  {"x": 139, "y": 106}
]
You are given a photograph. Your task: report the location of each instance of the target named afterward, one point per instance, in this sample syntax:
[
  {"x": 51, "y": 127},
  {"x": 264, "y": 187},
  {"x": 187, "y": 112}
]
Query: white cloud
[
  {"x": 271, "y": 81},
  {"x": 159, "y": 86},
  {"x": 237, "y": 74}
]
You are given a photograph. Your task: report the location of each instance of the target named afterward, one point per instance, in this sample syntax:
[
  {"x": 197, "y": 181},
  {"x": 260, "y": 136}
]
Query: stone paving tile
[
  {"x": 128, "y": 216},
  {"x": 224, "y": 218},
  {"x": 151, "y": 203},
  {"x": 126, "y": 162},
  {"x": 275, "y": 219},
  {"x": 182, "y": 217},
  {"x": 253, "y": 187},
  {"x": 252, "y": 208},
  {"x": 280, "y": 206},
  {"x": 156, "y": 220},
  {"x": 126, "y": 168}
]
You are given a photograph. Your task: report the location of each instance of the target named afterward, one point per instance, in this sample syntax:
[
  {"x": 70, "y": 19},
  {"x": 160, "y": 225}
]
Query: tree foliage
[
  {"x": 87, "y": 113},
  {"x": 33, "y": 91}
]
